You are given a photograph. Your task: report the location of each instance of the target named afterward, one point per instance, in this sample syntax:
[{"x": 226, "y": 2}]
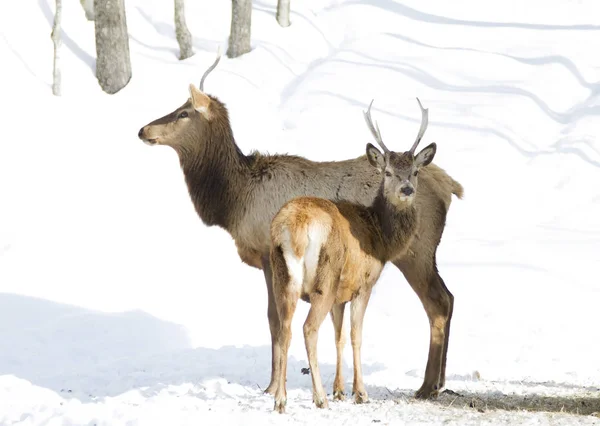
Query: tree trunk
[
  {"x": 113, "y": 66},
  {"x": 239, "y": 37},
  {"x": 88, "y": 8},
  {"x": 283, "y": 12},
  {"x": 184, "y": 38},
  {"x": 56, "y": 77}
]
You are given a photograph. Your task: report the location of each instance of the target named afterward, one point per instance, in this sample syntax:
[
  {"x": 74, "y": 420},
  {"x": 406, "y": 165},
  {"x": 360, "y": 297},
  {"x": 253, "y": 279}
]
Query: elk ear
[
  {"x": 375, "y": 157},
  {"x": 426, "y": 155},
  {"x": 200, "y": 101}
]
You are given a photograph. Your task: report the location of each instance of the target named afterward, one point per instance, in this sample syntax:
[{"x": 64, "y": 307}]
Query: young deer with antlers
[
  {"x": 330, "y": 253},
  {"x": 242, "y": 193}
]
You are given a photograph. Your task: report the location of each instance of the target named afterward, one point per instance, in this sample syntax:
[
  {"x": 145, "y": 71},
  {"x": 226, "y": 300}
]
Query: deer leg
[
  {"x": 438, "y": 303},
  {"x": 337, "y": 316},
  {"x": 274, "y": 326},
  {"x": 320, "y": 305},
  {"x": 286, "y": 308},
  {"x": 358, "y": 308},
  {"x": 286, "y": 295}
]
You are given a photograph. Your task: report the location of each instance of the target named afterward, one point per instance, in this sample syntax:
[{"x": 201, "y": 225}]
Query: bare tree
[
  {"x": 56, "y": 77},
  {"x": 283, "y": 12},
  {"x": 88, "y": 8},
  {"x": 113, "y": 66},
  {"x": 241, "y": 19},
  {"x": 184, "y": 38}
]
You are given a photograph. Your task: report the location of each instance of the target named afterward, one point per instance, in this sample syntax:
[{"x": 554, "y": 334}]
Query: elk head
[
  {"x": 184, "y": 127},
  {"x": 400, "y": 169}
]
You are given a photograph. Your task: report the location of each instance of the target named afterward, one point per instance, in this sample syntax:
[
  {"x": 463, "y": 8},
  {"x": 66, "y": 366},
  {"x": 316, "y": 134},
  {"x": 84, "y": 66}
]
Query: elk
[
  {"x": 332, "y": 252},
  {"x": 242, "y": 193}
]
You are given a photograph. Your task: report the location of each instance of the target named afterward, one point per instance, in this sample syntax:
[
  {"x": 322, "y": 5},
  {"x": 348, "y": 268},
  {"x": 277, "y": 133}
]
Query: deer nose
[
  {"x": 141, "y": 133},
  {"x": 407, "y": 190}
]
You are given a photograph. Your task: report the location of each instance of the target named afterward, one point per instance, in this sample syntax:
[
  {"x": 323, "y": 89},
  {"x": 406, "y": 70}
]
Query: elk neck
[
  {"x": 216, "y": 173},
  {"x": 397, "y": 224}
]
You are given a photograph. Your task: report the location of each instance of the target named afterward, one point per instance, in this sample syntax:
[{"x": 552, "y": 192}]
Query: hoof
[
  {"x": 427, "y": 392},
  {"x": 280, "y": 406},
  {"x": 361, "y": 397},
  {"x": 321, "y": 402},
  {"x": 339, "y": 395}
]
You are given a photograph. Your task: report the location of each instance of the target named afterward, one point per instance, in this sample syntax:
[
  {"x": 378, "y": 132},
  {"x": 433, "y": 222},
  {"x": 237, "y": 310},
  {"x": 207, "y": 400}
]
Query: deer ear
[
  {"x": 375, "y": 157},
  {"x": 200, "y": 101},
  {"x": 426, "y": 155}
]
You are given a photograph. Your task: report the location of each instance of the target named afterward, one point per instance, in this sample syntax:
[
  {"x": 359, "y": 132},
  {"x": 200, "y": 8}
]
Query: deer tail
[{"x": 457, "y": 189}]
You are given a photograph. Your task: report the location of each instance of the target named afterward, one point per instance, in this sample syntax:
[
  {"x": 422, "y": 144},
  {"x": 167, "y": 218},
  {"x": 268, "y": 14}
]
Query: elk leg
[
  {"x": 438, "y": 303},
  {"x": 358, "y": 308},
  {"x": 337, "y": 316},
  {"x": 274, "y": 326},
  {"x": 320, "y": 305},
  {"x": 286, "y": 297},
  {"x": 442, "y": 382}
]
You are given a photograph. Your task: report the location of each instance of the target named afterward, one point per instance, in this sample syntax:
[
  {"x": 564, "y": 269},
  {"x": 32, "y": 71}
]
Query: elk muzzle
[
  {"x": 406, "y": 192},
  {"x": 143, "y": 135}
]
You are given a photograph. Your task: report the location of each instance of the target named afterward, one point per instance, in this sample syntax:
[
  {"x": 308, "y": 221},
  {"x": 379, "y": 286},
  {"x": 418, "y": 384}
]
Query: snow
[{"x": 118, "y": 306}]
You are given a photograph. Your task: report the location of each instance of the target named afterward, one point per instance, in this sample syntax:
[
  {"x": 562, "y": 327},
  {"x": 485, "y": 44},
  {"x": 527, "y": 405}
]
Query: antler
[
  {"x": 374, "y": 129},
  {"x": 212, "y": 67},
  {"x": 424, "y": 123}
]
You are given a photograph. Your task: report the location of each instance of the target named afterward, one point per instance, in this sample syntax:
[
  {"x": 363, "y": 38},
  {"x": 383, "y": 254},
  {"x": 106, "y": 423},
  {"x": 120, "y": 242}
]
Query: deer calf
[{"x": 332, "y": 252}]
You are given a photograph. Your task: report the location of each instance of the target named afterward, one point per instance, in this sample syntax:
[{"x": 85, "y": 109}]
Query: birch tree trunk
[
  {"x": 184, "y": 38},
  {"x": 56, "y": 76},
  {"x": 283, "y": 13},
  {"x": 113, "y": 65},
  {"x": 241, "y": 20},
  {"x": 88, "y": 8}
]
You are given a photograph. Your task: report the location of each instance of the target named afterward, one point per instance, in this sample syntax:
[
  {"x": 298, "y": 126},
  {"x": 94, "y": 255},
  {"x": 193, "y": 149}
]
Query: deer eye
[
  {"x": 388, "y": 173},
  {"x": 416, "y": 173},
  {"x": 182, "y": 114}
]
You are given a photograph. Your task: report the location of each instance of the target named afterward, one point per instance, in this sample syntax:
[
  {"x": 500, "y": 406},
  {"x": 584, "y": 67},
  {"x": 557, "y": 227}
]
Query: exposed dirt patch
[{"x": 584, "y": 404}]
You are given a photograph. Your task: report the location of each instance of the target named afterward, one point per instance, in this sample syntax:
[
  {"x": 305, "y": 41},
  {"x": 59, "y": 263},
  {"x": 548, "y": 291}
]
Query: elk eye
[
  {"x": 416, "y": 173},
  {"x": 183, "y": 114},
  {"x": 388, "y": 173}
]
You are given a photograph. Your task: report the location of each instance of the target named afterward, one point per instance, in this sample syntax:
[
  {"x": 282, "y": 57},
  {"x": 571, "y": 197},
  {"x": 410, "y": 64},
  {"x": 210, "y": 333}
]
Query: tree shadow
[
  {"x": 172, "y": 50},
  {"x": 87, "y": 355},
  {"x": 414, "y": 14},
  {"x": 541, "y": 60},
  {"x": 276, "y": 57},
  {"x": 530, "y": 154},
  {"x": 415, "y": 73},
  {"x": 168, "y": 31},
  {"x": 429, "y": 80},
  {"x": 162, "y": 28},
  {"x": 68, "y": 41},
  {"x": 24, "y": 62}
]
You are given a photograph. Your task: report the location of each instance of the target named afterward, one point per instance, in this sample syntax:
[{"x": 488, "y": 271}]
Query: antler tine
[
  {"x": 374, "y": 128},
  {"x": 212, "y": 67},
  {"x": 424, "y": 123}
]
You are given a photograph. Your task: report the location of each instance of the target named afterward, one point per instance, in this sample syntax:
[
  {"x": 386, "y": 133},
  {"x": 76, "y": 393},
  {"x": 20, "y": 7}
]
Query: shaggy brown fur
[
  {"x": 332, "y": 253},
  {"x": 242, "y": 193}
]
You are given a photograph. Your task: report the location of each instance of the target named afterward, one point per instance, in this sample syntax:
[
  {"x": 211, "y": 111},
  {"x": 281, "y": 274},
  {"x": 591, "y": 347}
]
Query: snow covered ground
[{"x": 117, "y": 306}]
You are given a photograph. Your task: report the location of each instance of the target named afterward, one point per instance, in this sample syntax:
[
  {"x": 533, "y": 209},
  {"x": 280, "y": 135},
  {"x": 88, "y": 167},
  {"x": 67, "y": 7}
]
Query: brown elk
[
  {"x": 330, "y": 253},
  {"x": 242, "y": 193}
]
